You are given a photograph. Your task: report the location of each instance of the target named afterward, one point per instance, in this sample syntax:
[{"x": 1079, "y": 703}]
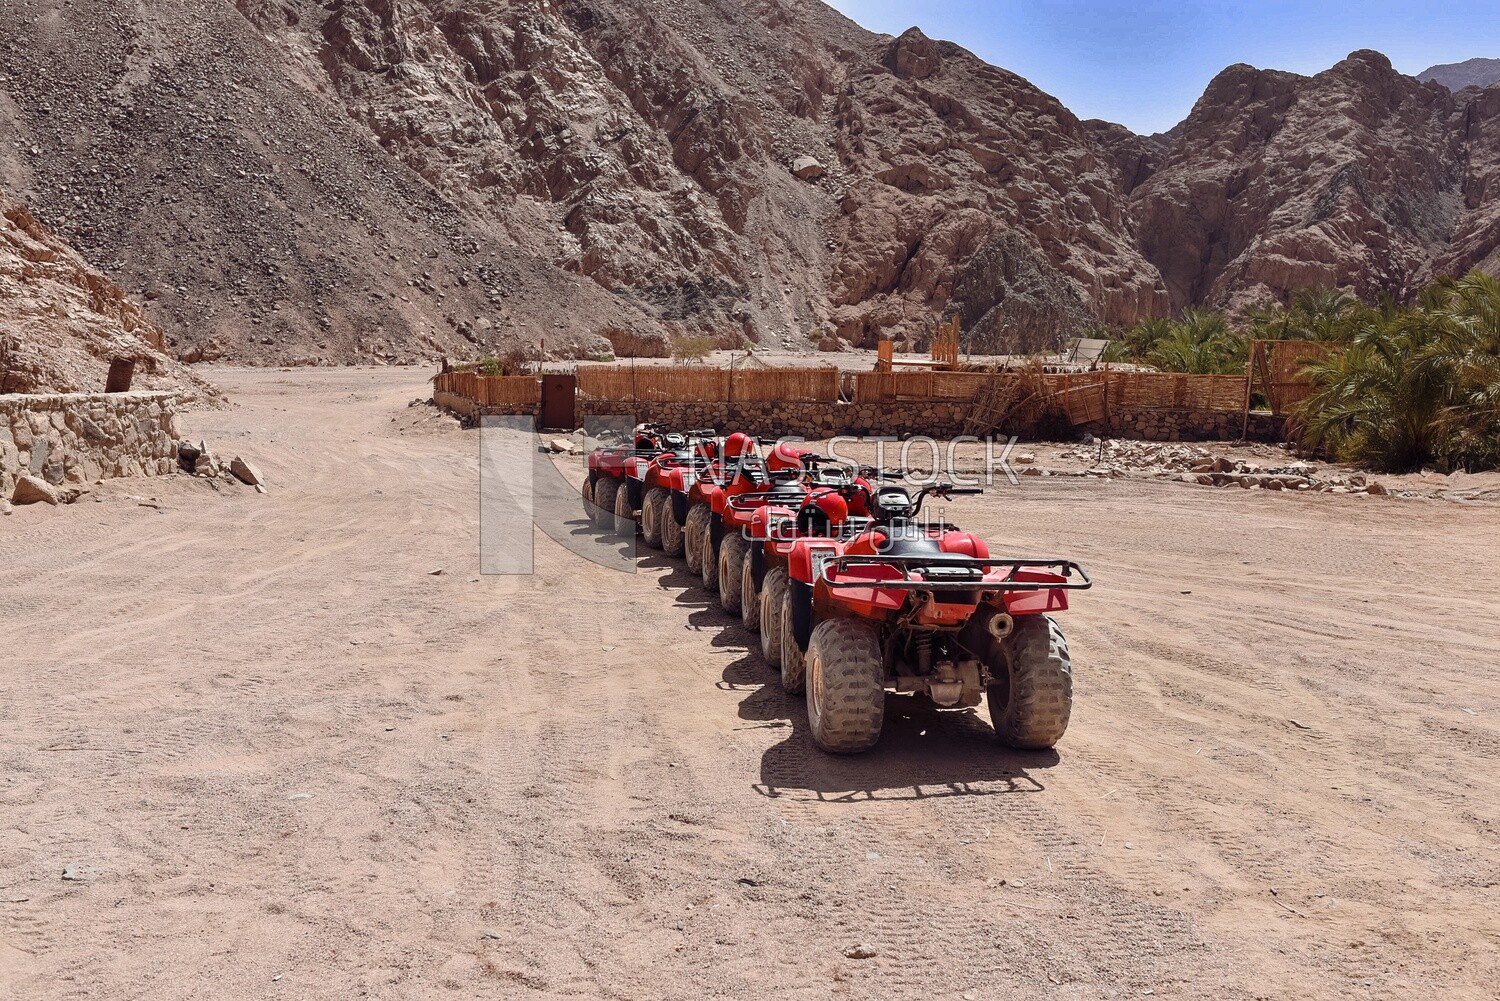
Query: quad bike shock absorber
[{"x": 922, "y": 652}]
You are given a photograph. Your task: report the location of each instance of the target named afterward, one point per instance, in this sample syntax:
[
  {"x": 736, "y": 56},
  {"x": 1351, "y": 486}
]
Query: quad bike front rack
[{"x": 906, "y": 564}]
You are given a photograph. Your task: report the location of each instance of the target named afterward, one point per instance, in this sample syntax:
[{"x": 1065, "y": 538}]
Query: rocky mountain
[
  {"x": 1358, "y": 177},
  {"x": 1479, "y": 73},
  {"x": 304, "y": 180},
  {"x": 62, "y": 323}
]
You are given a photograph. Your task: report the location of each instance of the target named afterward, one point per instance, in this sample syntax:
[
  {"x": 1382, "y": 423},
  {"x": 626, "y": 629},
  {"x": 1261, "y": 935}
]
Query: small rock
[
  {"x": 860, "y": 951},
  {"x": 1377, "y": 489},
  {"x": 5, "y": 506},
  {"x": 559, "y": 445},
  {"x": 1024, "y": 459},
  {"x": 808, "y": 169},
  {"x": 34, "y": 490},
  {"x": 245, "y": 472},
  {"x": 300, "y": 795},
  {"x": 73, "y": 873}
]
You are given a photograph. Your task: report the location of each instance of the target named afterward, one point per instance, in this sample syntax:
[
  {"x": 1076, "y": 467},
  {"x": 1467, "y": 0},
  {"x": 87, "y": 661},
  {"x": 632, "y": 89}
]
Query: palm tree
[
  {"x": 1201, "y": 343},
  {"x": 1385, "y": 401}
]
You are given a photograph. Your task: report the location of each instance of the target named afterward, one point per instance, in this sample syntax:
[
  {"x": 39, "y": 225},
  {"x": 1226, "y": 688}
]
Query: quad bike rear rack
[
  {"x": 754, "y": 500},
  {"x": 906, "y": 564}
]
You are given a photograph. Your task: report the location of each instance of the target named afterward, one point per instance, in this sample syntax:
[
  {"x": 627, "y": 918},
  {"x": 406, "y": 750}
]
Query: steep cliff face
[
  {"x": 648, "y": 146},
  {"x": 62, "y": 323},
  {"x": 965, "y": 183},
  {"x": 1358, "y": 177},
  {"x": 212, "y": 173}
]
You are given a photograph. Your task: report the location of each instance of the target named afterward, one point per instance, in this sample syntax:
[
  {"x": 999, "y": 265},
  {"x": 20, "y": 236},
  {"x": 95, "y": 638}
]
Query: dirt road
[{"x": 286, "y": 759}]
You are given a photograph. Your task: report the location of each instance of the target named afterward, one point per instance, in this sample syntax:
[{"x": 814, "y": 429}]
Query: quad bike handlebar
[{"x": 906, "y": 564}]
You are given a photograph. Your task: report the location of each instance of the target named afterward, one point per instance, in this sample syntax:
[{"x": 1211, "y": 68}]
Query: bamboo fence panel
[
  {"x": 705, "y": 384},
  {"x": 772, "y": 384},
  {"x": 1085, "y": 393},
  {"x": 490, "y": 390},
  {"x": 1276, "y": 370},
  {"x": 1177, "y": 391}
]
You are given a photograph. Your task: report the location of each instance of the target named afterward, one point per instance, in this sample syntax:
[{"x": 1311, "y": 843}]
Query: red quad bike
[
  {"x": 735, "y": 470},
  {"x": 648, "y": 480},
  {"x": 924, "y": 608},
  {"x": 677, "y": 481},
  {"x": 833, "y": 497},
  {"x": 836, "y": 506},
  {"x": 607, "y": 474},
  {"x": 748, "y": 508}
]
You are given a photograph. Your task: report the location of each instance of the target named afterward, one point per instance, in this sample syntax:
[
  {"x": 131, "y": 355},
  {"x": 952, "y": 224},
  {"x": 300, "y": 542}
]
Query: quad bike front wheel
[
  {"x": 651, "y": 516},
  {"x": 793, "y": 662},
  {"x": 695, "y": 536},
  {"x": 1031, "y": 694},
  {"x": 604, "y": 503},
  {"x": 772, "y": 594},
  {"x": 845, "y": 686},
  {"x": 749, "y": 598},
  {"x": 624, "y": 513},
  {"x": 708, "y": 558},
  {"x": 731, "y": 559},
  {"x": 673, "y": 537},
  {"x": 588, "y": 499}
]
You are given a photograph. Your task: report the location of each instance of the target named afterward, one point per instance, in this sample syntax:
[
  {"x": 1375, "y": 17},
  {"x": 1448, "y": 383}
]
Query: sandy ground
[{"x": 286, "y": 760}]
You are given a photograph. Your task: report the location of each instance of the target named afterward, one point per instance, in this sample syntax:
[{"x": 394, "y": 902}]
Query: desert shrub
[
  {"x": 691, "y": 347},
  {"x": 512, "y": 362}
]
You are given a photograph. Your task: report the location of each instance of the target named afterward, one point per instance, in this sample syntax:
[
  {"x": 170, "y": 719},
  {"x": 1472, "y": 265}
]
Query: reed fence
[
  {"x": 705, "y": 384},
  {"x": 1145, "y": 390},
  {"x": 490, "y": 390}
]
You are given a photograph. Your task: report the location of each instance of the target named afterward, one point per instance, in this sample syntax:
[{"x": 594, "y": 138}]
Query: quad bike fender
[
  {"x": 964, "y": 544},
  {"x": 1036, "y": 602},
  {"x": 799, "y": 560},
  {"x": 763, "y": 520},
  {"x": 801, "y": 599},
  {"x": 758, "y": 565},
  {"x": 703, "y": 492}
]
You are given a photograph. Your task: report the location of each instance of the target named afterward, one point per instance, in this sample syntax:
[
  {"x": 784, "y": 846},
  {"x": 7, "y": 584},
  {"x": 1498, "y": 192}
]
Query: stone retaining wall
[
  {"x": 82, "y": 437},
  {"x": 1154, "y": 424},
  {"x": 940, "y": 419}
]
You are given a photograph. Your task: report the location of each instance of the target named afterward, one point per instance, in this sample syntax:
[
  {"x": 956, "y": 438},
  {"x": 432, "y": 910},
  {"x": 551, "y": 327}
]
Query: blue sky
[{"x": 1144, "y": 63}]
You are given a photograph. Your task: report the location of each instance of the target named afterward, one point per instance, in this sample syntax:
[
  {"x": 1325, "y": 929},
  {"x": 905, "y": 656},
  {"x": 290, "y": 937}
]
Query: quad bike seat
[{"x": 910, "y": 542}]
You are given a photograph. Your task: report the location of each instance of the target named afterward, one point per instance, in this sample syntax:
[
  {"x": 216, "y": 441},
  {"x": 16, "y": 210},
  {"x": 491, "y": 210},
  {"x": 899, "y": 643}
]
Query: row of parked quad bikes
[{"x": 852, "y": 589}]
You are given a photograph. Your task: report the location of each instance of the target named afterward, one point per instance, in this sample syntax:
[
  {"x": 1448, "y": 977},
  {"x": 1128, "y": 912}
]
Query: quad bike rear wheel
[
  {"x": 749, "y": 598},
  {"x": 1031, "y": 696},
  {"x": 731, "y": 558},
  {"x": 845, "y": 686},
  {"x": 604, "y": 502},
  {"x": 709, "y": 559},
  {"x": 624, "y": 513},
  {"x": 588, "y": 499},
  {"x": 651, "y": 516},
  {"x": 671, "y": 534},
  {"x": 793, "y": 661},
  {"x": 772, "y": 594},
  {"x": 695, "y": 536}
]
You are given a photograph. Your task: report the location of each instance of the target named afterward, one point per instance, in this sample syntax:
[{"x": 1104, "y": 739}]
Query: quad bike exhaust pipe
[{"x": 1001, "y": 625}]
